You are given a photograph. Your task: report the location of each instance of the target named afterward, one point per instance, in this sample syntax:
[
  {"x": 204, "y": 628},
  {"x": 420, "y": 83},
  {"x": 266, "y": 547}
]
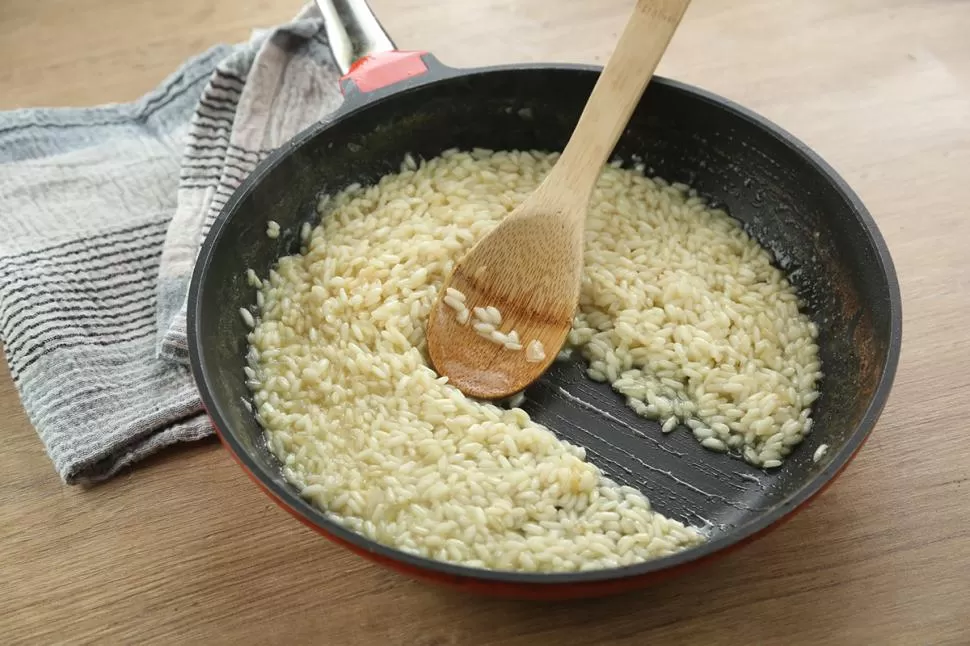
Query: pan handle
[
  {"x": 353, "y": 31},
  {"x": 364, "y": 52}
]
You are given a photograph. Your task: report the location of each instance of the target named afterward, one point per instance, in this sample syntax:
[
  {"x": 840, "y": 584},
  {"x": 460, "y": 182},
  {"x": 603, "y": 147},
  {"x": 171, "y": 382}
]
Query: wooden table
[{"x": 185, "y": 549}]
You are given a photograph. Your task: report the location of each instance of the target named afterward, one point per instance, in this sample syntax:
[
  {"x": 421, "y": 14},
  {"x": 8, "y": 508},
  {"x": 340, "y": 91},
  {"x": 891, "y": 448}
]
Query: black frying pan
[{"x": 787, "y": 197}]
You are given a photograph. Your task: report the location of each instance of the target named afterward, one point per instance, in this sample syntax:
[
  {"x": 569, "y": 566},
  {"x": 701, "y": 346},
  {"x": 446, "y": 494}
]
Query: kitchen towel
[{"x": 104, "y": 210}]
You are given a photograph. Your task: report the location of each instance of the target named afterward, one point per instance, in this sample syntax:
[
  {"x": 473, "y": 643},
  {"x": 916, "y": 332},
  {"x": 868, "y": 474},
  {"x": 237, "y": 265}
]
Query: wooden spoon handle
[{"x": 616, "y": 94}]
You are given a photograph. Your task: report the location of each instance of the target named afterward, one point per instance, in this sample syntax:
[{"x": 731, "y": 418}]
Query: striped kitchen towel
[
  {"x": 104, "y": 210},
  {"x": 257, "y": 99}
]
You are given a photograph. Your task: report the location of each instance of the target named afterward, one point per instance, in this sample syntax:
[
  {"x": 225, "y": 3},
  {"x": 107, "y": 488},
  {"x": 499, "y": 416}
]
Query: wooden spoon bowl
[{"x": 535, "y": 293}]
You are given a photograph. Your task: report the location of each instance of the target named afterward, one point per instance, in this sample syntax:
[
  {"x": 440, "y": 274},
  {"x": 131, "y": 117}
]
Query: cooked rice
[
  {"x": 534, "y": 352},
  {"x": 820, "y": 452},
  {"x": 247, "y": 317},
  {"x": 494, "y": 315},
  {"x": 684, "y": 314},
  {"x": 680, "y": 310},
  {"x": 273, "y": 229},
  {"x": 489, "y": 319},
  {"x": 455, "y": 294},
  {"x": 484, "y": 329},
  {"x": 454, "y": 304}
]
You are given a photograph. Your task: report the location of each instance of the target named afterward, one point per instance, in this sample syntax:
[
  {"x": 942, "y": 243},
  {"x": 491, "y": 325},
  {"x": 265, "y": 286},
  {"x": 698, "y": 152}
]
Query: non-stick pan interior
[{"x": 793, "y": 206}]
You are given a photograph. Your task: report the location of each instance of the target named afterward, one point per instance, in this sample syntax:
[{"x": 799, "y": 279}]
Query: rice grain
[
  {"x": 534, "y": 352},
  {"x": 820, "y": 452}
]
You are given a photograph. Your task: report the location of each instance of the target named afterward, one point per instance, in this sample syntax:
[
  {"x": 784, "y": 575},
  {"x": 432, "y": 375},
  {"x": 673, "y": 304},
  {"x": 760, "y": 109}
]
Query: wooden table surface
[{"x": 184, "y": 548}]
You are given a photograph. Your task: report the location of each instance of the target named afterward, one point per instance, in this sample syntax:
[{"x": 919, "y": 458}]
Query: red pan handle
[{"x": 362, "y": 49}]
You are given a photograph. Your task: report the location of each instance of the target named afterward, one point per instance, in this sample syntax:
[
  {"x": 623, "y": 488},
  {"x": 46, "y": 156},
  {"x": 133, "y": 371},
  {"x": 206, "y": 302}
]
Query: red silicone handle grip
[{"x": 375, "y": 71}]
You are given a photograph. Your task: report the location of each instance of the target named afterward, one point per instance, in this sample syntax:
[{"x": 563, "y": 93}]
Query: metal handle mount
[{"x": 353, "y": 31}]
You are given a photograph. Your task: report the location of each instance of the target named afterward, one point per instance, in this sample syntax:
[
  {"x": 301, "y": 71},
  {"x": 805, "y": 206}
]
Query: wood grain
[{"x": 184, "y": 549}]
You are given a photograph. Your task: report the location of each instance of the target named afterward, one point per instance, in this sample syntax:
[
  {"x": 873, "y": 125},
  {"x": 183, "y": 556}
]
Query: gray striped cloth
[{"x": 104, "y": 210}]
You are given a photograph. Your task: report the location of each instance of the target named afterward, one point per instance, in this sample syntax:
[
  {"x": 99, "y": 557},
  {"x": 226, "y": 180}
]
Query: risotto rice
[{"x": 680, "y": 311}]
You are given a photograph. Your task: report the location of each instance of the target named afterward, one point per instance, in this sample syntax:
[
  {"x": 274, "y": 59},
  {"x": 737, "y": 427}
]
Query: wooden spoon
[{"x": 529, "y": 266}]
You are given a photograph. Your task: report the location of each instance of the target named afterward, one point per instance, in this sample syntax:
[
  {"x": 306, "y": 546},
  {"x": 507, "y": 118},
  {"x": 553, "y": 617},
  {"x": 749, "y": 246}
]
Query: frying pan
[{"x": 790, "y": 200}]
